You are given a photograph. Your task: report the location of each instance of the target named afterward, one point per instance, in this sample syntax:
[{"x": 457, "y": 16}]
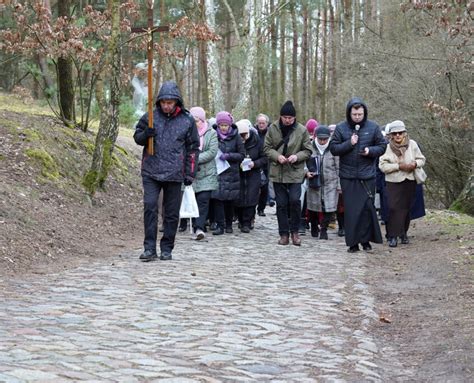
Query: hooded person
[
  {"x": 174, "y": 162},
  {"x": 287, "y": 146},
  {"x": 358, "y": 142}
]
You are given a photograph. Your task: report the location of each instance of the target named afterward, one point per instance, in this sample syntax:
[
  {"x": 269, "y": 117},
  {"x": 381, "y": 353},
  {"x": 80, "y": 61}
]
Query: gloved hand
[
  {"x": 187, "y": 181},
  {"x": 225, "y": 156},
  {"x": 150, "y": 132}
]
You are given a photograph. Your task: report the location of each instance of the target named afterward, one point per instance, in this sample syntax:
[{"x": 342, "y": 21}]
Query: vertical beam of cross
[{"x": 149, "y": 30}]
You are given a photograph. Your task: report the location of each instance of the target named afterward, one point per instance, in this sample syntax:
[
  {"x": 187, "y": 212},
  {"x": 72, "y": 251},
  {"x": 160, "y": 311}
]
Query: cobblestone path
[{"x": 235, "y": 308}]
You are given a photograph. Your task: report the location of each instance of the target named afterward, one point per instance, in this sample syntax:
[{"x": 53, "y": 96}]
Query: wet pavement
[{"x": 232, "y": 308}]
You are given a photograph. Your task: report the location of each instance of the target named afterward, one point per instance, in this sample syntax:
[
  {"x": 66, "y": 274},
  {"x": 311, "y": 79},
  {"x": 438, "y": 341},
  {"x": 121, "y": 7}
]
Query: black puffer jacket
[
  {"x": 229, "y": 180},
  {"x": 250, "y": 180},
  {"x": 352, "y": 164},
  {"x": 176, "y": 142}
]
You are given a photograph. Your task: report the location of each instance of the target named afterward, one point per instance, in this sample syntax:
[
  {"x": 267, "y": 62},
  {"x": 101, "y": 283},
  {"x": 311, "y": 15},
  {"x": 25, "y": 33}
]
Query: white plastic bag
[{"x": 189, "y": 207}]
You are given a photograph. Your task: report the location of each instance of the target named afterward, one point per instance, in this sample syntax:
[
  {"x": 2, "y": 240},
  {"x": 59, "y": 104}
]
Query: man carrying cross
[{"x": 173, "y": 162}]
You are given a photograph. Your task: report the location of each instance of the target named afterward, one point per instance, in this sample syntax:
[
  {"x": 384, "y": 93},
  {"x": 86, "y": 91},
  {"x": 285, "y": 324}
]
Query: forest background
[{"x": 409, "y": 60}]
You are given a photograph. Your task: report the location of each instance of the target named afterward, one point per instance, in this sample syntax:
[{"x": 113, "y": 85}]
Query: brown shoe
[
  {"x": 295, "y": 238},
  {"x": 284, "y": 240}
]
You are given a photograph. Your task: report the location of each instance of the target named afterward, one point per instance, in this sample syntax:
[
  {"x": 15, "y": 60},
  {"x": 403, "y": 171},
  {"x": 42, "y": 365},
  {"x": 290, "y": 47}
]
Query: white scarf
[{"x": 320, "y": 147}]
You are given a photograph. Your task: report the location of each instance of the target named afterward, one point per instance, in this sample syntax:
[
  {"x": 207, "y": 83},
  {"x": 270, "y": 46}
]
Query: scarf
[
  {"x": 222, "y": 135},
  {"x": 321, "y": 148},
  {"x": 203, "y": 129},
  {"x": 400, "y": 149},
  {"x": 286, "y": 129}
]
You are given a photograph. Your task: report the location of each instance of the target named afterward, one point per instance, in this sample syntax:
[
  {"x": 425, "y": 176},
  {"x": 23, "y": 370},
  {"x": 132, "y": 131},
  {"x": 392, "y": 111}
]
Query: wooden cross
[{"x": 149, "y": 30}]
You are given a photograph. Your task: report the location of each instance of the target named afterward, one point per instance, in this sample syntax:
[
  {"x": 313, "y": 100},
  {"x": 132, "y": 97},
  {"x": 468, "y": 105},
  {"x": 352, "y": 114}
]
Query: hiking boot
[
  {"x": 323, "y": 234},
  {"x": 245, "y": 229},
  {"x": 366, "y": 246},
  {"x": 295, "y": 238},
  {"x": 353, "y": 249},
  {"x": 404, "y": 239},
  {"x": 165, "y": 256},
  {"x": 284, "y": 240},
  {"x": 148, "y": 255},
  {"x": 218, "y": 231}
]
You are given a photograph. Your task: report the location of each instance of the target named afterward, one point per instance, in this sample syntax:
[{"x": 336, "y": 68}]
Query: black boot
[
  {"x": 404, "y": 239},
  {"x": 148, "y": 255},
  {"x": 219, "y": 231},
  {"x": 324, "y": 233},
  {"x": 392, "y": 242}
]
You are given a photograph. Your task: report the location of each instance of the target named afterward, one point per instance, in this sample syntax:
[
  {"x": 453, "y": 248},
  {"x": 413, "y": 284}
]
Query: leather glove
[
  {"x": 150, "y": 132},
  {"x": 187, "y": 181}
]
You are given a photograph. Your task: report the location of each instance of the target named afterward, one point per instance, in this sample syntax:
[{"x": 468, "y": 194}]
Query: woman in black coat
[
  {"x": 250, "y": 177},
  {"x": 231, "y": 152}
]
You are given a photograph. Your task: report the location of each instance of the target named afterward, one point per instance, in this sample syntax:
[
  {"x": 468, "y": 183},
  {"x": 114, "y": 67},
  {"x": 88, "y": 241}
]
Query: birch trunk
[
  {"x": 109, "y": 108},
  {"x": 217, "y": 101},
  {"x": 250, "y": 49}
]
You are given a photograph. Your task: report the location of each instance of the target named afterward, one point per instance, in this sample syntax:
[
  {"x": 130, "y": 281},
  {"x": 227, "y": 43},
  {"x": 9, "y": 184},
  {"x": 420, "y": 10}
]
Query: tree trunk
[
  {"x": 250, "y": 47},
  {"x": 282, "y": 95},
  {"x": 65, "y": 75},
  {"x": 304, "y": 64},
  {"x": 274, "y": 85},
  {"x": 217, "y": 103},
  {"x": 324, "y": 71},
  {"x": 465, "y": 202},
  {"x": 109, "y": 108},
  {"x": 294, "y": 56},
  {"x": 315, "y": 87}
]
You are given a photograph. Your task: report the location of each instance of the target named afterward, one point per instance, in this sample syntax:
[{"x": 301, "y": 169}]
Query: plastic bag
[{"x": 189, "y": 207}]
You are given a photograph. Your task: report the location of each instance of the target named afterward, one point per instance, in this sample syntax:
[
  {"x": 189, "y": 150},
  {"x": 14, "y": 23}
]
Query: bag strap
[{"x": 369, "y": 193}]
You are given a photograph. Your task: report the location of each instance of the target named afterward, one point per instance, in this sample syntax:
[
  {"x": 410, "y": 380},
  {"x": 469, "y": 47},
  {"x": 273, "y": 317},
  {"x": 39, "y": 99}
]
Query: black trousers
[
  {"x": 246, "y": 214},
  {"x": 171, "y": 204},
  {"x": 287, "y": 197},
  {"x": 224, "y": 213},
  {"x": 263, "y": 197},
  {"x": 203, "y": 200}
]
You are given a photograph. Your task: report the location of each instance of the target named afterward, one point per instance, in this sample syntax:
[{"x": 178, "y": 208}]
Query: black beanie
[{"x": 288, "y": 109}]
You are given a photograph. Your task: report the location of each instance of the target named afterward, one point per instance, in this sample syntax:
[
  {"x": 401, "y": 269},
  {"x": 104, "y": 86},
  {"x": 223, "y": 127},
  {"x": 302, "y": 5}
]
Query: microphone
[{"x": 357, "y": 127}]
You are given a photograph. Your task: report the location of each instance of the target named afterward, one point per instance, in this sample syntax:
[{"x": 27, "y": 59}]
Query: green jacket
[
  {"x": 299, "y": 144},
  {"x": 206, "y": 176}
]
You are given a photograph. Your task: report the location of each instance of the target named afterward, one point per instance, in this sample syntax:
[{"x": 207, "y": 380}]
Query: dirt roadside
[{"x": 425, "y": 301}]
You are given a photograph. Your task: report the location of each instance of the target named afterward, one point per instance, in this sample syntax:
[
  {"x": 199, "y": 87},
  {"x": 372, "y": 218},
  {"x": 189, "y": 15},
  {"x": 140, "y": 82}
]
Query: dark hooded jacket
[
  {"x": 176, "y": 142},
  {"x": 229, "y": 180},
  {"x": 250, "y": 180},
  {"x": 352, "y": 164}
]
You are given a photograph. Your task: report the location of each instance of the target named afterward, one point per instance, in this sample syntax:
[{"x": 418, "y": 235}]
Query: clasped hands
[
  {"x": 287, "y": 160},
  {"x": 407, "y": 167}
]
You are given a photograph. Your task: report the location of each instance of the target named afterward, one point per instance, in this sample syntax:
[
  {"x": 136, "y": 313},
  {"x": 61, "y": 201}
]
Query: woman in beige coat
[{"x": 398, "y": 163}]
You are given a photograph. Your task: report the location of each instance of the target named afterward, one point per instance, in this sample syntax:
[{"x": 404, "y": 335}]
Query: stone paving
[{"x": 233, "y": 308}]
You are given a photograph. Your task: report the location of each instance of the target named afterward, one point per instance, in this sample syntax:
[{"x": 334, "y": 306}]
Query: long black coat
[
  {"x": 352, "y": 164},
  {"x": 229, "y": 180},
  {"x": 250, "y": 180},
  {"x": 176, "y": 142}
]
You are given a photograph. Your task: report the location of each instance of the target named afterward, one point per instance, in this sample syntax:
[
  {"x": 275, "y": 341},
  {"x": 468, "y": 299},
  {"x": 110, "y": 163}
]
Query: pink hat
[
  {"x": 198, "y": 112},
  {"x": 224, "y": 118},
  {"x": 311, "y": 125}
]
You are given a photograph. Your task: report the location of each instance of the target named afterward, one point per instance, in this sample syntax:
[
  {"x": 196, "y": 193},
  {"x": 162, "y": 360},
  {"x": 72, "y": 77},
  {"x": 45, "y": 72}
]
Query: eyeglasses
[{"x": 398, "y": 133}]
